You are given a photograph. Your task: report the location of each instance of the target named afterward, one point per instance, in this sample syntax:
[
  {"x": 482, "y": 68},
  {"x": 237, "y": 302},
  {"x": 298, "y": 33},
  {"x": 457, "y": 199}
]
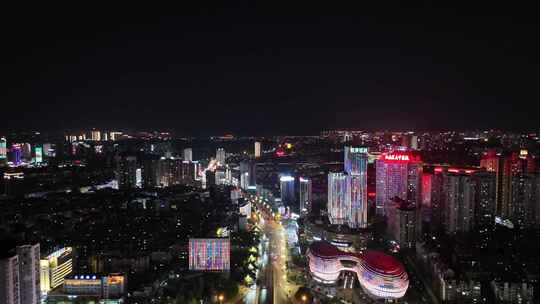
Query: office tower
[
  {"x": 29, "y": 285},
  {"x": 150, "y": 171},
  {"x": 355, "y": 162},
  {"x": 257, "y": 149},
  {"x": 126, "y": 170},
  {"x": 38, "y": 154},
  {"x": 188, "y": 154},
  {"x": 402, "y": 222},
  {"x": 16, "y": 152},
  {"x": 305, "y": 195},
  {"x": 339, "y": 196},
  {"x": 54, "y": 268},
  {"x": 3, "y": 149},
  {"x": 287, "y": 190},
  {"x": 9, "y": 279},
  {"x": 459, "y": 196},
  {"x": 220, "y": 156},
  {"x": 95, "y": 135},
  {"x": 248, "y": 174},
  {"x": 397, "y": 174}
]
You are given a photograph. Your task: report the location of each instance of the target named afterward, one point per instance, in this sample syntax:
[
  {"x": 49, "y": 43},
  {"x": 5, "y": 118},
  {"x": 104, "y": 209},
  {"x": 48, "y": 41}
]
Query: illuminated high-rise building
[
  {"x": 9, "y": 279},
  {"x": 48, "y": 150},
  {"x": 459, "y": 198},
  {"x": 95, "y": 135},
  {"x": 414, "y": 142},
  {"x": 305, "y": 195},
  {"x": 188, "y": 154},
  {"x": 221, "y": 176},
  {"x": 248, "y": 174},
  {"x": 190, "y": 172},
  {"x": 287, "y": 190},
  {"x": 16, "y": 152},
  {"x": 29, "y": 284},
  {"x": 485, "y": 205},
  {"x": 38, "y": 154},
  {"x": 356, "y": 162},
  {"x": 402, "y": 222},
  {"x": 3, "y": 149},
  {"x": 257, "y": 149},
  {"x": 524, "y": 200},
  {"x": 220, "y": 156},
  {"x": 507, "y": 167},
  {"x": 339, "y": 196},
  {"x": 150, "y": 171},
  {"x": 126, "y": 172},
  {"x": 397, "y": 174}
]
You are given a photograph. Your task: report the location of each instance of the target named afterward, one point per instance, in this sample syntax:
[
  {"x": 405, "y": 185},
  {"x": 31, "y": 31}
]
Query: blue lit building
[
  {"x": 287, "y": 190},
  {"x": 356, "y": 161}
]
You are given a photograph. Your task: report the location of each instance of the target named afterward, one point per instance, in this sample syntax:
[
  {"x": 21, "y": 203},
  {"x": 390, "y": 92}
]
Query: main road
[{"x": 272, "y": 286}]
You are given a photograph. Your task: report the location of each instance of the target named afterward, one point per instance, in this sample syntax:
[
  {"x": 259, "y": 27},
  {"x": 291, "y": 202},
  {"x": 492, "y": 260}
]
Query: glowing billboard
[{"x": 209, "y": 254}]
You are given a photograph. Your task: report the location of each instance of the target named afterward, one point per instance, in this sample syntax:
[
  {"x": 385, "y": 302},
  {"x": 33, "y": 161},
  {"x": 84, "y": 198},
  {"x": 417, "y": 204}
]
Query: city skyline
[{"x": 269, "y": 153}]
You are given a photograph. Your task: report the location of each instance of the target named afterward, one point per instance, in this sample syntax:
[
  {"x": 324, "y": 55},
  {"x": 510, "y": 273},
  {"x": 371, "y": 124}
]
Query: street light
[
  {"x": 221, "y": 297},
  {"x": 304, "y": 298}
]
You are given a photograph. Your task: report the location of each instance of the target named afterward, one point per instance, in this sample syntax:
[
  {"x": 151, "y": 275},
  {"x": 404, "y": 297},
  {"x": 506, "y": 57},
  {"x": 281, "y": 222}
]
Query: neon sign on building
[{"x": 399, "y": 157}]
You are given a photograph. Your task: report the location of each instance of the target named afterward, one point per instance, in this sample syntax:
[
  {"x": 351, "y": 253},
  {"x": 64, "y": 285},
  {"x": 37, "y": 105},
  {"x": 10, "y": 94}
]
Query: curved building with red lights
[{"x": 380, "y": 275}]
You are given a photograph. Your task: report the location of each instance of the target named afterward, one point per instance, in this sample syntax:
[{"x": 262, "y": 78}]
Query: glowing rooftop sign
[
  {"x": 286, "y": 178},
  {"x": 359, "y": 150},
  {"x": 399, "y": 157}
]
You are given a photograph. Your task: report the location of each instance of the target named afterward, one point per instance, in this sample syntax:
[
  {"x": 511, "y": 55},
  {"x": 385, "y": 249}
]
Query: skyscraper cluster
[
  {"x": 517, "y": 186},
  {"x": 155, "y": 171}
]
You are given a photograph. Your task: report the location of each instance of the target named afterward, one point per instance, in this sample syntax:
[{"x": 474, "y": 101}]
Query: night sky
[{"x": 262, "y": 69}]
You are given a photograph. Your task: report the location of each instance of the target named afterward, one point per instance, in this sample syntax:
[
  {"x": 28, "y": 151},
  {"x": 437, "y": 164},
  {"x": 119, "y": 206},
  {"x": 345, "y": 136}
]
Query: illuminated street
[{"x": 272, "y": 286}]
